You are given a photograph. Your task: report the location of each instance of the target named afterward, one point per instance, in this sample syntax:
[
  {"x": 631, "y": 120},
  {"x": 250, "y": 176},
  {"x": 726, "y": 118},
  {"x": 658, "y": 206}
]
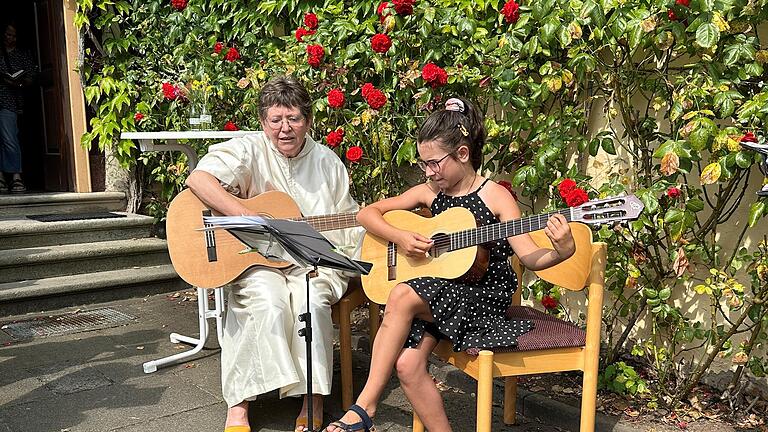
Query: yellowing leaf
[
  {"x": 553, "y": 83},
  {"x": 710, "y": 174},
  {"x": 720, "y": 22},
  {"x": 669, "y": 164}
]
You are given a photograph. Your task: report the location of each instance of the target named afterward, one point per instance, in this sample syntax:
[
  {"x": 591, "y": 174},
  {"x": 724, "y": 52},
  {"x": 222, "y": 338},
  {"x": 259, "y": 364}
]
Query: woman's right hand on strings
[{"x": 413, "y": 244}]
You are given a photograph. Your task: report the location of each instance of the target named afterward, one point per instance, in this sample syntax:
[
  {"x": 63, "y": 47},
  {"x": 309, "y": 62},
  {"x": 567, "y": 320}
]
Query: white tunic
[{"x": 261, "y": 349}]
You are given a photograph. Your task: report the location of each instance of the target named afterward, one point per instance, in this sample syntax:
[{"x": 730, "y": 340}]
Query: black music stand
[{"x": 296, "y": 242}]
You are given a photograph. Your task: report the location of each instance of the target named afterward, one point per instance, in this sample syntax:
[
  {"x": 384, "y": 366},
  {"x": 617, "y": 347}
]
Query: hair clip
[
  {"x": 454, "y": 104},
  {"x": 463, "y": 130}
]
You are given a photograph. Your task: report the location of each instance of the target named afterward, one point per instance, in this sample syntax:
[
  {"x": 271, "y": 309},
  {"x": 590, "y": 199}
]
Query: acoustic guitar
[
  {"x": 210, "y": 259},
  {"x": 456, "y": 251}
]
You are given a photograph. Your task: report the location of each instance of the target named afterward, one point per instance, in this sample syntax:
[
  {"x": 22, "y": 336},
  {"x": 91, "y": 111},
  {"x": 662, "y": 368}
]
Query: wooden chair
[
  {"x": 552, "y": 346},
  {"x": 341, "y": 313}
]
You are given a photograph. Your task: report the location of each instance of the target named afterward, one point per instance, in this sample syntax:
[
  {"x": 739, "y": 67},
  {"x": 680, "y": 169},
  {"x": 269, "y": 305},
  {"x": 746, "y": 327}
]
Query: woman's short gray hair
[{"x": 287, "y": 92}]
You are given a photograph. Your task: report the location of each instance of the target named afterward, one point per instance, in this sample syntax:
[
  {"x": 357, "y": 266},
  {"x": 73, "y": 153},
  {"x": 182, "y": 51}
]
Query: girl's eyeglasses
[{"x": 433, "y": 164}]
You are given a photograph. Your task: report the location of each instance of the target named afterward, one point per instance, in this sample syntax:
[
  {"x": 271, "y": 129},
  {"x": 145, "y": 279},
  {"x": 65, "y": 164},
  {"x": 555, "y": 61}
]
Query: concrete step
[
  {"x": 61, "y": 202},
  {"x": 51, "y": 261},
  {"x": 56, "y": 292},
  {"x": 19, "y": 232}
]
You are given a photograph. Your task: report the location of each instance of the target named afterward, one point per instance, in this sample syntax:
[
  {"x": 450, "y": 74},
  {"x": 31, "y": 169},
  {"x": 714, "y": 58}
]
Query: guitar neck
[
  {"x": 330, "y": 222},
  {"x": 502, "y": 230}
]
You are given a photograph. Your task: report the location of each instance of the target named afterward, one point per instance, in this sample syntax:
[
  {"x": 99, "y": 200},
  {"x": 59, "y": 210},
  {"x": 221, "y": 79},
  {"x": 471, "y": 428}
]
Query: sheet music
[{"x": 301, "y": 244}]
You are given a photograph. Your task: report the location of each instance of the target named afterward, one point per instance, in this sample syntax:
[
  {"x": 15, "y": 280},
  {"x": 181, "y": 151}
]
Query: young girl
[{"x": 421, "y": 311}]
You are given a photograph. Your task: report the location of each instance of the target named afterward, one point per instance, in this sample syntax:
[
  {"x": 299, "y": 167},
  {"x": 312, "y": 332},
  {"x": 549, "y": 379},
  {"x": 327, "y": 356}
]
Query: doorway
[{"x": 45, "y": 147}]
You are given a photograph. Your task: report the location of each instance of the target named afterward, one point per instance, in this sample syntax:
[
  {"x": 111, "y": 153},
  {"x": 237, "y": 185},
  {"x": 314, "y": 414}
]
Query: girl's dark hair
[
  {"x": 285, "y": 91},
  {"x": 455, "y": 128}
]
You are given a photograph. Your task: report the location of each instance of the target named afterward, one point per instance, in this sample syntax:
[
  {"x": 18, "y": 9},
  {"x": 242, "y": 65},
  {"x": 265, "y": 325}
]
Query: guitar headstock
[{"x": 608, "y": 210}]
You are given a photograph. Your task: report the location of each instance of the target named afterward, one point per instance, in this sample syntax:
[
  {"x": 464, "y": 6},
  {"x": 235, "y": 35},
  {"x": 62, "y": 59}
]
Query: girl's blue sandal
[{"x": 365, "y": 425}]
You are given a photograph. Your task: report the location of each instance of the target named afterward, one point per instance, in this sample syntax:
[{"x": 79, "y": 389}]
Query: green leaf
[
  {"x": 707, "y": 35},
  {"x": 756, "y": 211},
  {"x": 694, "y": 205}
]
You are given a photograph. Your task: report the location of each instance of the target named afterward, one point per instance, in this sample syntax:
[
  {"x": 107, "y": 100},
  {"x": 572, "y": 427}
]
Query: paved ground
[{"x": 93, "y": 381}]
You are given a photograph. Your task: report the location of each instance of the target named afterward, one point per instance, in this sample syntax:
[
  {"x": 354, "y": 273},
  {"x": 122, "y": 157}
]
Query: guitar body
[
  {"x": 449, "y": 265},
  {"x": 211, "y": 267}
]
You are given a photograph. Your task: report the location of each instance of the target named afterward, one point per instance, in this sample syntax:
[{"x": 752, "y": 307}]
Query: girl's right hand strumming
[{"x": 414, "y": 244}]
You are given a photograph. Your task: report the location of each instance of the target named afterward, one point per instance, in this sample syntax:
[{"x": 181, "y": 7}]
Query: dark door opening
[{"x": 45, "y": 158}]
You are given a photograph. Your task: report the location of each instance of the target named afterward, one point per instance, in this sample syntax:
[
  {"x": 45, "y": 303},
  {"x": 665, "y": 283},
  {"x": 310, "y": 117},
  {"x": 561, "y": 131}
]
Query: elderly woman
[{"x": 261, "y": 349}]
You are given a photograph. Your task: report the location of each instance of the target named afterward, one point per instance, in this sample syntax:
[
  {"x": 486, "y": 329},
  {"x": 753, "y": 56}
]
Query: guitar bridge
[{"x": 391, "y": 261}]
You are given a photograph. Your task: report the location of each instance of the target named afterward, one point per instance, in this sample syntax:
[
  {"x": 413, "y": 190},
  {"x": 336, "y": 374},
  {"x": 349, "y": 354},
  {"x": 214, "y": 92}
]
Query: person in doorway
[
  {"x": 261, "y": 348},
  {"x": 17, "y": 70},
  {"x": 423, "y": 310}
]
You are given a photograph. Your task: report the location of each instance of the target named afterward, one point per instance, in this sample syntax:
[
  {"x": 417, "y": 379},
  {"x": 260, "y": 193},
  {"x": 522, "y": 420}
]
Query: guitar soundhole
[{"x": 442, "y": 245}]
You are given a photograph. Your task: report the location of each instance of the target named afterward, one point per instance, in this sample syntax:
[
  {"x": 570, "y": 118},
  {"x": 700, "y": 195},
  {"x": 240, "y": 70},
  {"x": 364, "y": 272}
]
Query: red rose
[
  {"x": 566, "y": 186},
  {"x": 230, "y": 126},
  {"x": 300, "y": 33},
  {"x": 376, "y": 98},
  {"x": 511, "y": 11},
  {"x": 137, "y": 117},
  {"x": 315, "y": 54},
  {"x": 673, "y": 192},
  {"x": 748, "y": 137},
  {"x": 508, "y": 186},
  {"x": 403, "y": 7},
  {"x": 434, "y": 75},
  {"x": 380, "y": 11},
  {"x": 179, "y": 4},
  {"x": 336, "y": 98},
  {"x": 334, "y": 138},
  {"x": 354, "y": 153},
  {"x": 684, "y": 3},
  {"x": 549, "y": 302},
  {"x": 576, "y": 197},
  {"x": 170, "y": 91},
  {"x": 232, "y": 55},
  {"x": 671, "y": 15},
  {"x": 381, "y": 43},
  {"x": 367, "y": 87},
  {"x": 218, "y": 47},
  {"x": 310, "y": 20}
]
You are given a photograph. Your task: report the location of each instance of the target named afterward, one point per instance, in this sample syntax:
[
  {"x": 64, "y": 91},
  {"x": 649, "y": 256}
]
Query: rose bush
[{"x": 674, "y": 86}]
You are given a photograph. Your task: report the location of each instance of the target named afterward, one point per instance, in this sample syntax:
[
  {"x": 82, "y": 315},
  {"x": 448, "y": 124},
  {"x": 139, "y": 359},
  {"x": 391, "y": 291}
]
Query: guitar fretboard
[
  {"x": 501, "y": 230},
  {"x": 330, "y": 222}
]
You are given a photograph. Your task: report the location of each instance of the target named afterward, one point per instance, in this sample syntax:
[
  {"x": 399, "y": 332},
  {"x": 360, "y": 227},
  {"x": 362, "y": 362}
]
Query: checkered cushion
[{"x": 548, "y": 332}]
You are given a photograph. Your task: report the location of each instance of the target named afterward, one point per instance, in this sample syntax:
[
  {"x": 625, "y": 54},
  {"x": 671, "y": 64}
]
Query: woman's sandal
[
  {"x": 237, "y": 429},
  {"x": 364, "y": 425}
]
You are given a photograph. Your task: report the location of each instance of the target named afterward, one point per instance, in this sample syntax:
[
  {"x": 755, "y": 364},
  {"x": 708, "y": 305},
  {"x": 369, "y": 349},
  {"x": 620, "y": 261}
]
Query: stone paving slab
[{"x": 93, "y": 382}]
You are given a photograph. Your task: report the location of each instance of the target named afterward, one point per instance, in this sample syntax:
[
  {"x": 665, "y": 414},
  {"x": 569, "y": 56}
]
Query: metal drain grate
[{"x": 56, "y": 325}]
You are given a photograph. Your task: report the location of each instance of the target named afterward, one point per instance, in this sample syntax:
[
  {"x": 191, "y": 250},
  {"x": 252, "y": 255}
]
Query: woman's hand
[
  {"x": 559, "y": 232},
  {"x": 414, "y": 244}
]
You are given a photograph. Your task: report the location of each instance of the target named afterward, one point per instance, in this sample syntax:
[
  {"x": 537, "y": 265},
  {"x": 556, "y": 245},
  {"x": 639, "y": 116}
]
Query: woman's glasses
[
  {"x": 276, "y": 123},
  {"x": 433, "y": 164}
]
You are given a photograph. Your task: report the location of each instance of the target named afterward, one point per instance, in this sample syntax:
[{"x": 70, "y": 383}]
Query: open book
[
  {"x": 287, "y": 240},
  {"x": 14, "y": 75}
]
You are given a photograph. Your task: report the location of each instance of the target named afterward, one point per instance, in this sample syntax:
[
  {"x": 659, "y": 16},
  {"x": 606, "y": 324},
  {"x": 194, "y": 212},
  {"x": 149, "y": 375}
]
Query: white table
[{"x": 204, "y": 312}]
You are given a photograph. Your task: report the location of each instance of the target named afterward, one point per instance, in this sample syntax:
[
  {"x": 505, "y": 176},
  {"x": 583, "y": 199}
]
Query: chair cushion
[{"x": 548, "y": 332}]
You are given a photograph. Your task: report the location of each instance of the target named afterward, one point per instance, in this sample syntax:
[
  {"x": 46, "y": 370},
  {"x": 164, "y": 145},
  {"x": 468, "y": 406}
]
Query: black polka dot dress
[{"x": 471, "y": 316}]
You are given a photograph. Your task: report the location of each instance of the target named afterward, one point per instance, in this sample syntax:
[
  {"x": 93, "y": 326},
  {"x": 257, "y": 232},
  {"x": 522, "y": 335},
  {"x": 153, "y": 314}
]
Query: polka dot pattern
[{"x": 471, "y": 315}]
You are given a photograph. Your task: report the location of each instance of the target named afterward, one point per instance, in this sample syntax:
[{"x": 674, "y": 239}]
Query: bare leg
[
  {"x": 317, "y": 412},
  {"x": 238, "y": 415},
  {"x": 419, "y": 387},
  {"x": 403, "y": 306}
]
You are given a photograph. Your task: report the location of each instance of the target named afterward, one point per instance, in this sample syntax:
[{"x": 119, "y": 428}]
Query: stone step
[
  {"x": 57, "y": 292},
  {"x": 20, "y": 232},
  {"x": 51, "y": 261},
  {"x": 61, "y": 202}
]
